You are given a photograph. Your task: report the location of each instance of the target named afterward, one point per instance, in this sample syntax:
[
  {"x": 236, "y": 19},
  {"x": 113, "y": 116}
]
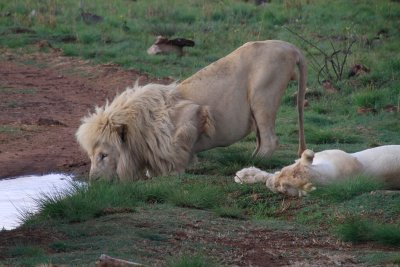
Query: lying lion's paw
[
  {"x": 302, "y": 193},
  {"x": 308, "y": 187},
  {"x": 295, "y": 190},
  {"x": 238, "y": 180},
  {"x": 246, "y": 175}
]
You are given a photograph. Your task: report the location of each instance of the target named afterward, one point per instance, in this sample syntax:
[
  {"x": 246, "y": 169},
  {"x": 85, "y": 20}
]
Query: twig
[
  {"x": 331, "y": 63},
  {"x": 335, "y": 64},
  {"x": 345, "y": 56},
  {"x": 107, "y": 261},
  {"x": 305, "y": 40}
]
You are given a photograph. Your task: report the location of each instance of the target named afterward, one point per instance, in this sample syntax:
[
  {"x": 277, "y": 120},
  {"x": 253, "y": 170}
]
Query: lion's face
[
  {"x": 294, "y": 180},
  {"x": 104, "y": 162}
]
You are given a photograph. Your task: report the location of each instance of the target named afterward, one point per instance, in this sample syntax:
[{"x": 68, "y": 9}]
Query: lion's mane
[{"x": 139, "y": 123}]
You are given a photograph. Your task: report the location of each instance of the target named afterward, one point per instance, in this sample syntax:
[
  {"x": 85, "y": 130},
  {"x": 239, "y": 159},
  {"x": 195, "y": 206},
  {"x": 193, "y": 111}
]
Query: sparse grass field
[{"x": 365, "y": 112}]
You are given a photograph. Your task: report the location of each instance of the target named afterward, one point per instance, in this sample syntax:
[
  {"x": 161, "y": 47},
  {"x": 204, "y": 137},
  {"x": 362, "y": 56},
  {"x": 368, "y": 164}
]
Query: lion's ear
[
  {"x": 307, "y": 157},
  {"x": 122, "y": 131}
]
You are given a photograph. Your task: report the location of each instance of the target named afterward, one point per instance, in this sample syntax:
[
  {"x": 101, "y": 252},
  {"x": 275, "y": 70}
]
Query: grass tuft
[
  {"x": 199, "y": 196},
  {"x": 347, "y": 189},
  {"x": 369, "y": 99},
  {"x": 359, "y": 230},
  {"x": 27, "y": 251},
  {"x": 230, "y": 212},
  {"x": 191, "y": 261},
  {"x": 330, "y": 136}
]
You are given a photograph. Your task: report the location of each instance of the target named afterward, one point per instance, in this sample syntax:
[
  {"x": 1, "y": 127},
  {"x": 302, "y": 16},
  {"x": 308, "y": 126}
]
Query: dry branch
[{"x": 107, "y": 261}]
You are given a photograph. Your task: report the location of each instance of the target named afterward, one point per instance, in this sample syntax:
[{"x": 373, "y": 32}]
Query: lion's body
[
  {"x": 243, "y": 91},
  {"x": 158, "y": 128},
  {"x": 325, "y": 167},
  {"x": 381, "y": 163}
]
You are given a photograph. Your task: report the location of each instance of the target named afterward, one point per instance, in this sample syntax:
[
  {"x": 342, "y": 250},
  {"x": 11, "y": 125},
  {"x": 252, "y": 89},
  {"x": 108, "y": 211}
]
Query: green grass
[
  {"x": 191, "y": 261},
  {"x": 220, "y": 194},
  {"x": 331, "y": 136},
  {"x": 27, "y": 251},
  {"x": 347, "y": 189},
  {"x": 361, "y": 230},
  {"x": 6, "y": 129},
  {"x": 230, "y": 212},
  {"x": 27, "y": 91},
  {"x": 150, "y": 235},
  {"x": 81, "y": 202},
  {"x": 199, "y": 196},
  {"x": 370, "y": 99},
  {"x": 379, "y": 258}
]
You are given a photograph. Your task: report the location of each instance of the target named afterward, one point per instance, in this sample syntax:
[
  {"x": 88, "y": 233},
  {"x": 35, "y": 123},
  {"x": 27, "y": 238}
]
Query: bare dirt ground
[{"x": 43, "y": 96}]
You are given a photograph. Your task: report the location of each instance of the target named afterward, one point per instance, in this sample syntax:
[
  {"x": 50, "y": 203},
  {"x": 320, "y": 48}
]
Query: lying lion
[
  {"x": 156, "y": 129},
  {"x": 325, "y": 167}
]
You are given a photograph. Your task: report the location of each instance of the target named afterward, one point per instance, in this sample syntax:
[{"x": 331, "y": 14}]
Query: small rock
[
  {"x": 49, "y": 122},
  {"x": 358, "y": 69},
  {"x": 329, "y": 88}
]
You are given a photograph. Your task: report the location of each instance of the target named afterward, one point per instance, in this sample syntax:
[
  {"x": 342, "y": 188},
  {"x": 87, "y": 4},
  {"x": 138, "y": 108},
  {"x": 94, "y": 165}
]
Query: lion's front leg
[
  {"x": 251, "y": 175},
  {"x": 184, "y": 139}
]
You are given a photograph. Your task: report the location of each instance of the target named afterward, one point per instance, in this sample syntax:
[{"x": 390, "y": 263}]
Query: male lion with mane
[
  {"x": 217, "y": 106},
  {"x": 148, "y": 129}
]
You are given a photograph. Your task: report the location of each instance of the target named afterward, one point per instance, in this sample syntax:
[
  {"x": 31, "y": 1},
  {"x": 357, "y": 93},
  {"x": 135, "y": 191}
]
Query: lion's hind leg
[{"x": 264, "y": 103}]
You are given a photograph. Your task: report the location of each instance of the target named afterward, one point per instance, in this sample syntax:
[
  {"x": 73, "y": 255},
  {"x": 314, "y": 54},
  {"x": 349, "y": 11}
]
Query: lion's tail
[{"x": 302, "y": 65}]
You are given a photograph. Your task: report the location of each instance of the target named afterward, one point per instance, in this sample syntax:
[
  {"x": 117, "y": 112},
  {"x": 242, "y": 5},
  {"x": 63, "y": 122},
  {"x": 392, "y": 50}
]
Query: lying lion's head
[{"x": 295, "y": 179}]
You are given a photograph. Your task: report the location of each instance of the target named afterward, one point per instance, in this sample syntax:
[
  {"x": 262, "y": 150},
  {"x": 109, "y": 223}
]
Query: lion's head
[
  {"x": 147, "y": 129},
  {"x": 295, "y": 179},
  {"x": 103, "y": 135}
]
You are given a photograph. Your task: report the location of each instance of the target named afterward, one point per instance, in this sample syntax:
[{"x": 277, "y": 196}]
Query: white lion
[
  {"x": 159, "y": 128},
  {"x": 148, "y": 129},
  {"x": 325, "y": 167}
]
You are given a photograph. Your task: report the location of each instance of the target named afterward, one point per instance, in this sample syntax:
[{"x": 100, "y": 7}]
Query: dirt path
[{"x": 42, "y": 99}]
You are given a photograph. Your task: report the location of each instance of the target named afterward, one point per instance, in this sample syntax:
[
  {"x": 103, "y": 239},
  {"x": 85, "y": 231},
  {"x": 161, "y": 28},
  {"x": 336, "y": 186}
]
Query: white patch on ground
[{"x": 18, "y": 195}]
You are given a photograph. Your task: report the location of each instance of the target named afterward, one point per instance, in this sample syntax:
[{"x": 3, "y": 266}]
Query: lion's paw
[
  {"x": 247, "y": 175},
  {"x": 296, "y": 190}
]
